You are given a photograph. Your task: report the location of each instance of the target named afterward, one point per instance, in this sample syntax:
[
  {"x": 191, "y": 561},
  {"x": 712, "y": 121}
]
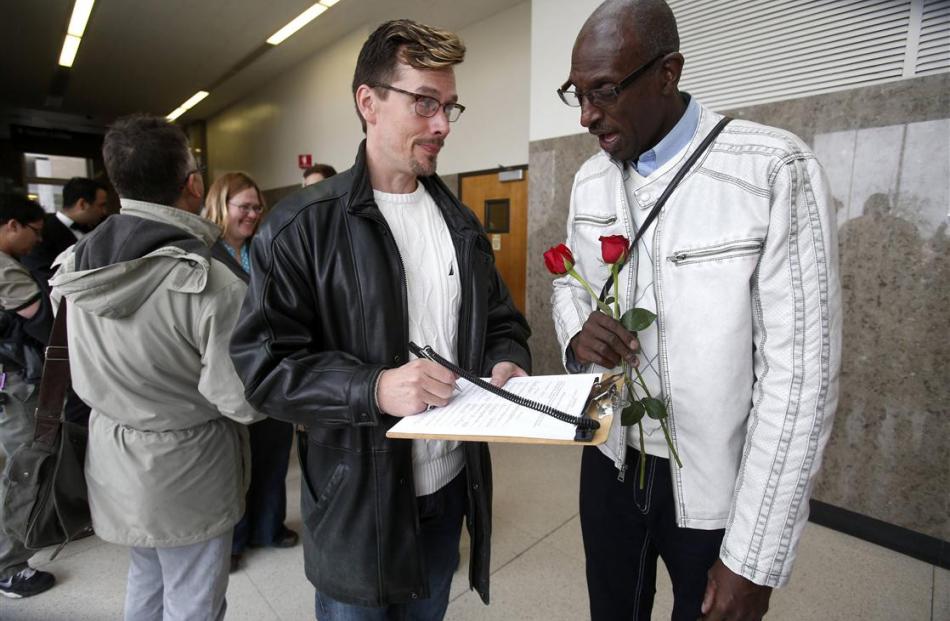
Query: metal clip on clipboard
[
  {"x": 585, "y": 425},
  {"x": 601, "y": 393}
]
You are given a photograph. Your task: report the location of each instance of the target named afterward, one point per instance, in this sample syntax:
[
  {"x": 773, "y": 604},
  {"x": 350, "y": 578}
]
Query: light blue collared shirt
[{"x": 672, "y": 143}]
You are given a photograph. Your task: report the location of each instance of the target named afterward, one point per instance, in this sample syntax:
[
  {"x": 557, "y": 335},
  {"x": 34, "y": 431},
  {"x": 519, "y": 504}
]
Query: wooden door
[{"x": 502, "y": 207}]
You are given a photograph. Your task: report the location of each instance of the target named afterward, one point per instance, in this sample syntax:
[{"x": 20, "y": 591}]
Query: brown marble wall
[{"x": 886, "y": 150}]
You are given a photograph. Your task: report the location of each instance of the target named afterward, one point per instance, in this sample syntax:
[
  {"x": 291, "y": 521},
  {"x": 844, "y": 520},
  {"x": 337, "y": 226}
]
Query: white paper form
[{"x": 477, "y": 412}]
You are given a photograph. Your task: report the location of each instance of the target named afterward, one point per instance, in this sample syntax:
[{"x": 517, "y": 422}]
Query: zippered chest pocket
[
  {"x": 595, "y": 219},
  {"x": 718, "y": 252}
]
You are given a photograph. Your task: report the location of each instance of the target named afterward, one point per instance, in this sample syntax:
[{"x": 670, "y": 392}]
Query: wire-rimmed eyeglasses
[{"x": 248, "y": 208}]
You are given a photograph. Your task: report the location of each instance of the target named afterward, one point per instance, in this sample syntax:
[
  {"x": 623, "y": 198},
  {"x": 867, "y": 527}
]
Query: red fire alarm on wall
[{"x": 304, "y": 160}]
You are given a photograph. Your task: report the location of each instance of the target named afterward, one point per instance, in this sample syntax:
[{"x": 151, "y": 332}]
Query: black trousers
[
  {"x": 625, "y": 529},
  {"x": 266, "y": 501}
]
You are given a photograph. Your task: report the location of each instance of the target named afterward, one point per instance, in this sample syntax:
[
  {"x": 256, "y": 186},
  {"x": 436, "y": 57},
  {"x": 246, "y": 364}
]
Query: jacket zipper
[
  {"x": 727, "y": 250},
  {"x": 664, "y": 366},
  {"x": 628, "y": 229}
]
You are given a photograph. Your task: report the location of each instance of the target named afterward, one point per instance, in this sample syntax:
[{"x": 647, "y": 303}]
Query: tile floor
[{"x": 537, "y": 566}]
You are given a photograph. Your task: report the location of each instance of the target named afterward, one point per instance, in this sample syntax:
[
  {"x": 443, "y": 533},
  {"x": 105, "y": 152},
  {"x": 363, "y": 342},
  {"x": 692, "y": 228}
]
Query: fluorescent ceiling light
[
  {"x": 81, "y": 11},
  {"x": 180, "y": 110},
  {"x": 70, "y": 47},
  {"x": 328, "y": 3},
  {"x": 296, "y": 24},
  {"x": 177, "y": 112},
  {"x": 194, "y": 99}
]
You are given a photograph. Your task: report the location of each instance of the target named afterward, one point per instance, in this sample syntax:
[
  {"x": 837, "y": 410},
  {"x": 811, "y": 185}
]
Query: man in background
[
  {"x": 84, "y": 206},
  {"x": 25, "y": 323},
  {"x": 317, "y": 173}
]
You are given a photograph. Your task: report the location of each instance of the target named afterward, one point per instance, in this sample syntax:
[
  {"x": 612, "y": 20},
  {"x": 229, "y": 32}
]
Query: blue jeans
[{"x": 440, "y": 522}]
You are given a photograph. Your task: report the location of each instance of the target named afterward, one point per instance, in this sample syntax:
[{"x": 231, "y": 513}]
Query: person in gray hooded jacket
[{"x": 150, "y": 314}]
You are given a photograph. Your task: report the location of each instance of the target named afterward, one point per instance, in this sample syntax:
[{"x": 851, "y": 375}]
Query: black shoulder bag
[{"x": 44, "y": 484}]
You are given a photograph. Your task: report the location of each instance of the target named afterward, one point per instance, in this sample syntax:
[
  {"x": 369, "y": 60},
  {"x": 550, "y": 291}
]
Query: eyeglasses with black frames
[
  {"x": 36, "y": 231},
  {"x": 604, "y": 96},
  {"x": 428, "y": 107}
]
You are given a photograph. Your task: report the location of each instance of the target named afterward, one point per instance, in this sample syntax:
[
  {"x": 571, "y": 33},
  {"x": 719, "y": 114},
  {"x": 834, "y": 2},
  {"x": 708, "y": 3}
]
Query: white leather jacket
[{"x": 749, "y": 319}]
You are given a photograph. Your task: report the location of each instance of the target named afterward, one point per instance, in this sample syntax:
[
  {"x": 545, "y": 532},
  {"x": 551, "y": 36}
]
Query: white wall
[
  {"x": 310, "y": 109},
  {"x": 307, "y": 110},
  {"x": 554, "y": 26},
  {"x": 493, "y": 85}
]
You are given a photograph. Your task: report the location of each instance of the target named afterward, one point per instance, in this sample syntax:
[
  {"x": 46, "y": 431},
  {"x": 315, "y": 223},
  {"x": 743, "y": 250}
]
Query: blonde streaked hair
[
  {"x": 222, "y": 190},
  {"x": 409, "y": 42}
]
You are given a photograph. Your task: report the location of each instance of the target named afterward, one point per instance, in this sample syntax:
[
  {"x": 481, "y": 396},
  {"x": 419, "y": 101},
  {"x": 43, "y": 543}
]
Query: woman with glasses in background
[{"x": 235, "y": 203}]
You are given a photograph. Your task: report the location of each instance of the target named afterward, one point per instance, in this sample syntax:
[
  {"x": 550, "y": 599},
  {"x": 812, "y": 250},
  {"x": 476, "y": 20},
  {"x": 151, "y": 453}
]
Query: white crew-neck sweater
[{"x": 434, "y": 296}]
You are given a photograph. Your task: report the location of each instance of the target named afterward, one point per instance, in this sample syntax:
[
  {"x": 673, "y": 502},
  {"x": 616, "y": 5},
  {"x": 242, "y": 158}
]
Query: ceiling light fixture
[
  {"x": 297, "y": 23},
  {"x": 68, "y": 53},
  {"x": 328, "y": 3},
  {"x": 180, "y": 110},
  {"x": 81, "y": 11},
  {"x": 77, "y": 25}
]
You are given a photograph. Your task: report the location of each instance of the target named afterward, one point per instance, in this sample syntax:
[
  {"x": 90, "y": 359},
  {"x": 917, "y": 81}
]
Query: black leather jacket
[{"x": 325, "y": 314}]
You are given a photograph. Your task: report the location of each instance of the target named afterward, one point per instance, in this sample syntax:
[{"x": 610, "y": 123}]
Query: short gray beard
[{"x": 419, "y": 169}]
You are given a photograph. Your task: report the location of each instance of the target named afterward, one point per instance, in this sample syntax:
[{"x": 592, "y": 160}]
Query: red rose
[
  {"x": 558, "y": 259},
  {"x": 614, "y": 249}
]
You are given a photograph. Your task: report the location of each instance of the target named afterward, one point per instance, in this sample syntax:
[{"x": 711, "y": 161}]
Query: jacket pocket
[
  {"x": 605, "y": 220},
  {"x": 314, "y": 506},
  {"x": 718, "y": 252}
]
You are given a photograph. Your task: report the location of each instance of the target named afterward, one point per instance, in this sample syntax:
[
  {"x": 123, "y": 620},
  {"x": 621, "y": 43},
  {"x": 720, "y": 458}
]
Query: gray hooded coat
[{"x": 150, "y": 314}]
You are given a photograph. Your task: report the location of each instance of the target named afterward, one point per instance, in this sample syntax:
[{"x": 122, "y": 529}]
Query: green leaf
[
  {"x": 609, "y": 300},
  {"x": 655, "y": 408},
  {"x": 637, "y": 319},
  {"x": 632, "y": 414}
]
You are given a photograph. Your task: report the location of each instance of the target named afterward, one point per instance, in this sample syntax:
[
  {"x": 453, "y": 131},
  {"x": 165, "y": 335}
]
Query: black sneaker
[
  {"x": 286, "y": 538},
  {"x": 26, "y": 583}
]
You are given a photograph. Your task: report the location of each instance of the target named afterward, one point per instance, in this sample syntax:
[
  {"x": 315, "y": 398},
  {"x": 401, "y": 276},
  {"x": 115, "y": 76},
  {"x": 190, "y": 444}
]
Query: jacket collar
[{"x": 202, "y": 228}]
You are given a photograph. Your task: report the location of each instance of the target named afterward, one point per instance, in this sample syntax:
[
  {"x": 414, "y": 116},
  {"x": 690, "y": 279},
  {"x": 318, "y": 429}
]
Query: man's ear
[
  {"x": 195, "y": 186},
  {"x": 670, "y": 71},
  {"x": 366, "y": 103}
]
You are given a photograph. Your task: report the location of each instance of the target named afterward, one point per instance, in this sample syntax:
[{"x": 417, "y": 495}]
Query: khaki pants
[{"x": 16, "y": 429}]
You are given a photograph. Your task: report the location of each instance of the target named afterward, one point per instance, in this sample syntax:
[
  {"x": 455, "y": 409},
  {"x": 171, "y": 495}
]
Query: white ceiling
[{"x": 151, "y": 55}]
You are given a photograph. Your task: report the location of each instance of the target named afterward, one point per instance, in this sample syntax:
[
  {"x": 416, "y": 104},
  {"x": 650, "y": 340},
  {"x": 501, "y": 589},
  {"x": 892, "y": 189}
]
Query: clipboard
[{"x": 601, "y": 403}]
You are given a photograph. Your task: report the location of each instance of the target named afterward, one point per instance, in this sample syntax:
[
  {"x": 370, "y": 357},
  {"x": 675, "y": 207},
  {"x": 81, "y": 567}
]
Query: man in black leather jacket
[{"x": 345, "y": 273}]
